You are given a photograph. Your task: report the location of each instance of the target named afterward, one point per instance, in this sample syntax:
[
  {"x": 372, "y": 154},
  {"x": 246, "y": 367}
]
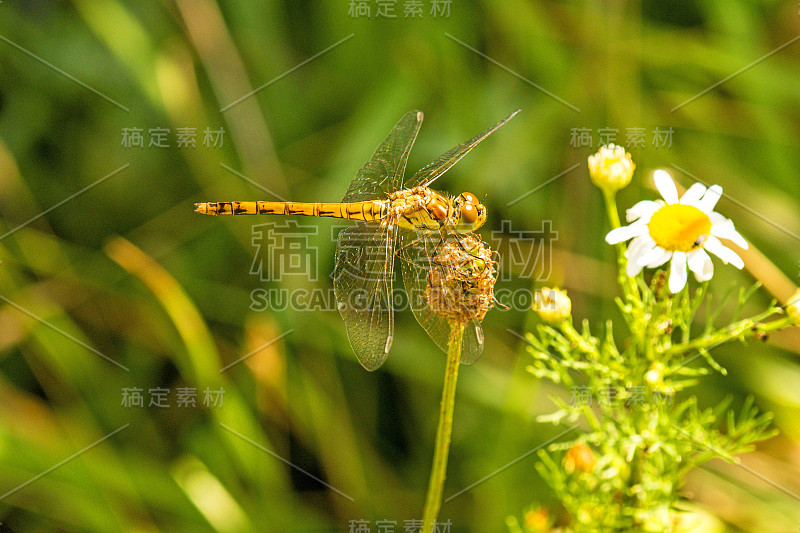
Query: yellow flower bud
[
  {"x": 537, "y": 519},
  {"x": 793, "y": 307},
  {"x": 579, "y": 457},
  {"x": 611, "y": 167},
  {"x": 552, "y": 305},
  {"x": 655, "y": 374}
]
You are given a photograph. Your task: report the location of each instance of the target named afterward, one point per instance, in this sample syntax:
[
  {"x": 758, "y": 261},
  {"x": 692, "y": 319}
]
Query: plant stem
[
  {"x": 611, "y": 208},
  {"x": 626, "y": 283},
  {"x": 745, "y": 328},
  {"x": 572, "y": 335},
  {"x": 433, "y": 500}
]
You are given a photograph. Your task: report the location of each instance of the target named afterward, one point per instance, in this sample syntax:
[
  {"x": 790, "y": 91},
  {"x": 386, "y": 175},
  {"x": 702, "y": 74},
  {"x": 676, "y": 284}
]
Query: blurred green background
[{"x": 125, "y": 270}]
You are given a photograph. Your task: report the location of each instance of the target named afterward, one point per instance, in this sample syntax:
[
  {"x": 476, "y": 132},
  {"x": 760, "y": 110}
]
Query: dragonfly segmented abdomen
[{"x": 369, "y": 211}]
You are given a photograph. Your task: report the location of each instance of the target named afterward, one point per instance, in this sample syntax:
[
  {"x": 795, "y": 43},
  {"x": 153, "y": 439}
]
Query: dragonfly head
[{"x": 469, "y": 213}]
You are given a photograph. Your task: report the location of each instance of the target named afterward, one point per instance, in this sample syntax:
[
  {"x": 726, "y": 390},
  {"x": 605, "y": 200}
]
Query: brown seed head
[{"x": 461, "y": 280}]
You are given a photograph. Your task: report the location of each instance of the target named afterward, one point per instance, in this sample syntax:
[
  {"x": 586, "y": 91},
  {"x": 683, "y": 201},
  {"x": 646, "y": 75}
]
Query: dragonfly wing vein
[
  {"x": 434, "y": 170},
  {"x": 383, "y": 173},
  {"x": 472, "y": 343},
  {"x": 416, "y": 249},
  {"x": 363, "y": 286}
]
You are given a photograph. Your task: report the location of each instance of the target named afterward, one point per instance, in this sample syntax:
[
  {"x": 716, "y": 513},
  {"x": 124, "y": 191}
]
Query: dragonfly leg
[
  {"x": 416, "y": 242},
  {"x": 460, "y": 239},
  {"x": 410, "y": 243},
  {"x": 460, "y": 242}
]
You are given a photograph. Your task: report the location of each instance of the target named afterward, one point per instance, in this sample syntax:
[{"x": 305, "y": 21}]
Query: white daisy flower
[{"x": 679, "y": 231}]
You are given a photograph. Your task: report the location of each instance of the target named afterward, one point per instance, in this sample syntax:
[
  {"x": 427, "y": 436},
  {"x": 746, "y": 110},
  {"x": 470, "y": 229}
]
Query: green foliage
[{"x": 643, "y": 429}]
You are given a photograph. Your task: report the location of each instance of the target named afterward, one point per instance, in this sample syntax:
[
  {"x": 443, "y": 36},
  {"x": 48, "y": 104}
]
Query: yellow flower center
[{"x": 679, "y": 228}]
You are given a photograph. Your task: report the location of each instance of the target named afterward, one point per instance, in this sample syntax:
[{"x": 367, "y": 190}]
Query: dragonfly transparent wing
[
  {"x": 416, "y": 249},
  {"x": 383, "y": 173},
  {"x": 362, "y": 282},
  {"x": 472, "y": 342},
  {"x": 432, "y": 171}
]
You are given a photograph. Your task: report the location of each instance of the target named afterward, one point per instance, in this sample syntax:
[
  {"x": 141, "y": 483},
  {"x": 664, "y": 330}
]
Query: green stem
[
  {"x": 577, "y": 339},
  {"x": 627, "y": 284},
  {"x": 748, "y": 327},
  {"x": 611, "y": 208},
  {"x": 433, "y": 501}
]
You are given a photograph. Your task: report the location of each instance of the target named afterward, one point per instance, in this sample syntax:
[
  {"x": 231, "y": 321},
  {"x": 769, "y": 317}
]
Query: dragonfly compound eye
[
  {"x": 469, "y": 213},
  {"x": 469, "y": 198}
]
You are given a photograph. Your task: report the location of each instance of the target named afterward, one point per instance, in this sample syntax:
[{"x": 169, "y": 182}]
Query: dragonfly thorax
[{"x": 423, "y": 208}]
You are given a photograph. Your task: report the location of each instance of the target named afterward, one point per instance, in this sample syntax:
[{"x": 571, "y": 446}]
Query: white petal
[
  {"x": 625, "y": 232},
  {"x": 727, "y": 255},
  {"x": 700, "y": 263},
  {"x": 677, "y": 274},
  {"x": 693, "y": 194},
  {"x": 637, "y": 248},
  {"x": 643, "y": 209},
  {"x": 655, "y": 257},
  {"x": 716, "y": 218},
  {"x": 726, "y": 230},
  {"x": 666, "y": 186},
  {"x": 710, "y": 199},
  {"x": 658, "y": 261}
]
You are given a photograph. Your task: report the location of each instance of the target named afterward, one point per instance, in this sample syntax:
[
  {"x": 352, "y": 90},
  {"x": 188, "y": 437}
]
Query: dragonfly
[{"x": 394, "y": 217}]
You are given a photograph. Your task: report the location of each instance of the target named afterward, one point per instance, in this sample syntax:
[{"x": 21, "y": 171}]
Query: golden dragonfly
[{"x": 394, "y": 217}]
